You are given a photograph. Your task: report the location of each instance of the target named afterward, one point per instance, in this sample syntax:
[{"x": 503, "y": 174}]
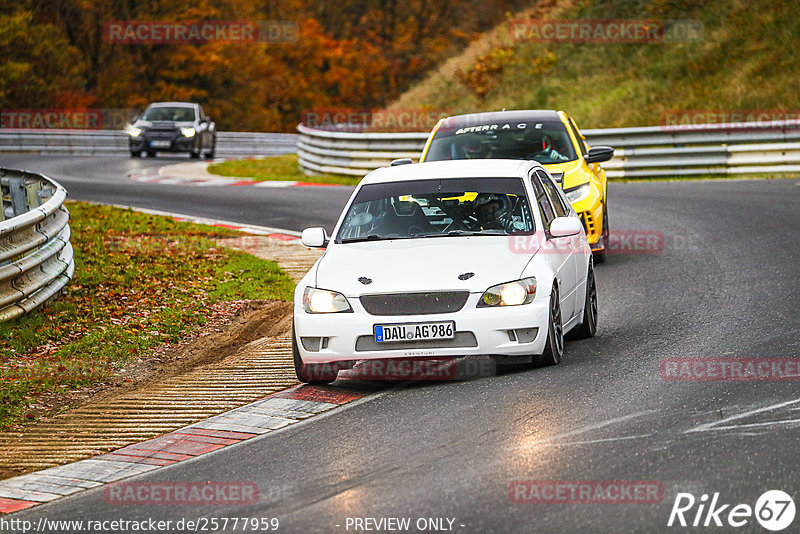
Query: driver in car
[
  {"x": 493, "y": 212},
  {"x": 475, "y": 149},
  {"x": 544, "y": 149}
]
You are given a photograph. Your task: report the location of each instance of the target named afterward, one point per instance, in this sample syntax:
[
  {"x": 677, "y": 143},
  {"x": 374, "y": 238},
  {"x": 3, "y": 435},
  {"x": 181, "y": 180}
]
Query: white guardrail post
[
  {"x": 36, "y": 259},
  {"x": 646, "y": 152}
]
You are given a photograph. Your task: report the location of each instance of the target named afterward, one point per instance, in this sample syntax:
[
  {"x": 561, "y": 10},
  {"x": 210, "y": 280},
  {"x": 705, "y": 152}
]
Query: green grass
[
  {"x": 140, "y": 281},
  {"x": 281, "y": 168},
  {"x": 745, "y": 61}
]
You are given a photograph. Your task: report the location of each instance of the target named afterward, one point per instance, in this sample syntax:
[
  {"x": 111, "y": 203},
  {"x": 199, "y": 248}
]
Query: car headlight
[
  {"x": 509, "y": 294},
  {"x": 579, "y": 192},
  {"x": 133, "y": 131},
  {"x": 324, "y": 301},
  {"x": 188, "y": 132}
]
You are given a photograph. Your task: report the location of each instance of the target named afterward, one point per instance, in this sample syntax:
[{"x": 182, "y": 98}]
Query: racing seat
[{"x": 404, "y": 219}]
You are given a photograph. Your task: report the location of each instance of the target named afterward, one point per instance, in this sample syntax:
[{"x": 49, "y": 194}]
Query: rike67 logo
[{"x": 774, "y": 510}]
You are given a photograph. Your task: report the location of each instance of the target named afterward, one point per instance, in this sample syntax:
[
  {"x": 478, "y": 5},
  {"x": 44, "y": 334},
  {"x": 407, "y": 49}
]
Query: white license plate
[
  {"x": 160, "y": 144},
  {"x": 414, "y": 331}
]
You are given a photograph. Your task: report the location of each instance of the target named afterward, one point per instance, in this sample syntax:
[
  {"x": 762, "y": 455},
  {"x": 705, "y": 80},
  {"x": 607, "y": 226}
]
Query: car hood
[
  {"x": 573, "y": 172},
  {"x": 441, "y": 263}
]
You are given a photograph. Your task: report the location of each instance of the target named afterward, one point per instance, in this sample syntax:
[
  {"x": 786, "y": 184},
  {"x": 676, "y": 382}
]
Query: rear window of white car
[{"x": 438, "y": 208}]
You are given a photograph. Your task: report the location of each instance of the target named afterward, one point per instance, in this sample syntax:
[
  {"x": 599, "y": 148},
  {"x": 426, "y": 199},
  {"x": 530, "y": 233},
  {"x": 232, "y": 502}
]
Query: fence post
[
  {"x": 32, "y": 194},
  {"x": 19, "y": 200}
]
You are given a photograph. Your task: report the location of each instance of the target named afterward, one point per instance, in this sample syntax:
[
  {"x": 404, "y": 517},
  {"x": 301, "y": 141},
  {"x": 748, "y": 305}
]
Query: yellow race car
[{"x": 550, "y": 137}]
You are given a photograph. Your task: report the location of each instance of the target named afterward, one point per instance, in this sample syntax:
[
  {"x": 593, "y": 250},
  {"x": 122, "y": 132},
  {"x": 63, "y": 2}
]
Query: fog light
[{"x": 526, "y": 335}]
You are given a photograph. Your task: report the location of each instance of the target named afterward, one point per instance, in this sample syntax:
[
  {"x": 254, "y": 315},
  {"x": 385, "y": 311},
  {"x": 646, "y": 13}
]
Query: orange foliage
[{"x": 360, "y": 53}]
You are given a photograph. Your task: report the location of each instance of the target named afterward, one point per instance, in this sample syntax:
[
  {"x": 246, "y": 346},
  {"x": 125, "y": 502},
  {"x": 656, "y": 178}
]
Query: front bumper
[
  {"x": 335, "y": 337},
  {"x": 590, "y": 210},
  {"x": 164, "y": 142},
  {"x": 593, "y": 224}
]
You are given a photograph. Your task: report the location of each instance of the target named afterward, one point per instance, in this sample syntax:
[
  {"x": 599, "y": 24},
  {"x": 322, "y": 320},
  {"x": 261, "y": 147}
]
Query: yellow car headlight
[
  {"x": 509, "y": 294},
  {"x": 133, "y": 131},
  {"x": 577, "y": 193},
  {"x": 324, "y": 301},
  {"x": 188, "y": 132}
]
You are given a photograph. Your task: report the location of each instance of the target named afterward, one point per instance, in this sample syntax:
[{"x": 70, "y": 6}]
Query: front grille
[
  {"x": 415, "y": 303},
  {"x": 461, "y": 340}
]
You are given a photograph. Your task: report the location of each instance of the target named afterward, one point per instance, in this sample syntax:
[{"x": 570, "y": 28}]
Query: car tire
[
  {"x": 136, "y": 154},
  {"x": 311, "y": 373},
  {"x": 210, "y": 155},
  {"x": 194, "y": 155},
  {"x": 554, "y": 345},
  {"x": 588, "y": 327},
  {"x": 151, "y": 154},
  {"x": 600, "y": 255}
]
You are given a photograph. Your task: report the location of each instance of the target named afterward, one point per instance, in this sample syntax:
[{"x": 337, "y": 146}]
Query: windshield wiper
[
  {"x": 475, "y": 232},
  {"x": 370, "y": 237}
]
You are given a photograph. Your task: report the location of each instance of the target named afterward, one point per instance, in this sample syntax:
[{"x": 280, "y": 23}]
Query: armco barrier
[
  {"x": 647, "y": 152},
  {"x": 111, "y": 142},
  {"x": 652, "y": 151},
  {"x": 35, "y": 254},
  {"x": 355, "y": 154}
]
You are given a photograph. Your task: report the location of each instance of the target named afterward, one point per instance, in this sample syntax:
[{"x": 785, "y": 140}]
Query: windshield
[
  {"x": 164, "y": 113},
  {"x": 438, "y": 208},
  {"x": 543, "y": 141}
]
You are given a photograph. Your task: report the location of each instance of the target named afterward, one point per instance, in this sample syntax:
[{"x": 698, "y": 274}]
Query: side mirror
[
  {"x": 599, "y": 153},
  {"x": 315, "y": 237},
  {"x": 565, "y": 226}
]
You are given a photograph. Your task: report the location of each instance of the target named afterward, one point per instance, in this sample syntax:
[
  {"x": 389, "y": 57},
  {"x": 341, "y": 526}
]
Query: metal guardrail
[
  {"x": 354, "y": 154},
  {"x": 648, "y": 152},
  {"x": 110, "y": 142},
  {"x": 653, "y": 151},
  {"x": 36, "y": 259}
]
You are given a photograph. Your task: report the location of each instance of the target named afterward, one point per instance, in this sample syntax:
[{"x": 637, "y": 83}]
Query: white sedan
[{"x": 444, "y": 260}]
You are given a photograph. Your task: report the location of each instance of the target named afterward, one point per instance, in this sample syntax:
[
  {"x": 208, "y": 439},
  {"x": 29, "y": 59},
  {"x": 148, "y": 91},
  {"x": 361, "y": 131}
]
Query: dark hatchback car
[{"x": 172, "y": 127}]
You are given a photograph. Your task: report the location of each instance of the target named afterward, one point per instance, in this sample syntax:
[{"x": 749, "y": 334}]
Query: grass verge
[
  {"x": 275, "y": 168},
  {"x": 140, "y": 281},
  {"x": 736, "y": 60}
]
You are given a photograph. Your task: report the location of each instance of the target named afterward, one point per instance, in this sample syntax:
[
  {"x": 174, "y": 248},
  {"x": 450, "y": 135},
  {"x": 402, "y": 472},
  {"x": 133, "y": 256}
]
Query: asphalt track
[
  {"x": 724, "y": 285},
  {"x": 103, "y": 179}
]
